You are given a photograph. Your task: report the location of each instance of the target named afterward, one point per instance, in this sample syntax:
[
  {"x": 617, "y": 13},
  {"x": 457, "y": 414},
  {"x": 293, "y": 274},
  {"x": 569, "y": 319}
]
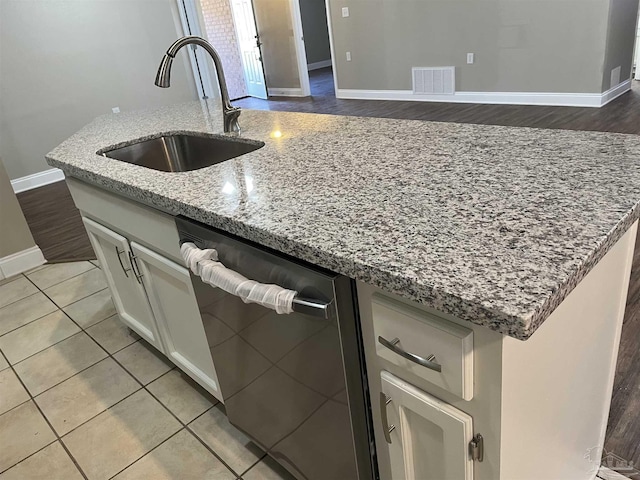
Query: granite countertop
[{"x": 494, "y": 225}]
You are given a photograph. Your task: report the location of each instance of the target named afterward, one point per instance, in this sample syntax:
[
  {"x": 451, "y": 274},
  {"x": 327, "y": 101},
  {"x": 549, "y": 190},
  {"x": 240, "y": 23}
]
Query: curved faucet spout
[{"x": 163, "y": 77}]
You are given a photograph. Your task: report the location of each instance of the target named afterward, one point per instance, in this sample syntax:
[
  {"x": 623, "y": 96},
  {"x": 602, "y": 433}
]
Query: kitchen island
[{"x": 493, "y": 229}]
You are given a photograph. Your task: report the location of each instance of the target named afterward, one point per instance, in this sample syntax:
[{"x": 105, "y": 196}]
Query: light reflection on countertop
[{"x": 494, "y": 225}]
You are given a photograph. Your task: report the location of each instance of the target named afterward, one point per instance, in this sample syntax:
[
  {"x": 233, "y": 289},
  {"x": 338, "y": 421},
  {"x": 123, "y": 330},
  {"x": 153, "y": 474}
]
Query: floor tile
[
  {"x": 36, "y": 336},
  {"x": 4, "y": 281},
  {"x": 117, "y": 437},
  {"x": 92, "y": 309},
  {"x": 23, "y": 431},
  {"x": 233, "y": 446},
  {"x": 267, "y": 469},
  {"x": 3, "y": 363},
  {"x": 59, "y": 362},
  {"x": 55, "y": 273},
  {"x": 96, "y": 263},
  {"x": 25, "y": 311},
  {"x": 35, "y": 269},
  {"x": 112, "y": 334},
  {"x": 12, "y": 393},
  {"x": 83, "y": 396},
  {"x": 185, "y": 400},
  {"x": 50, "y": 463},
  {"x": 182, "y": 456},
  {"x": 143, "y": 361},
  {"x": 15, "y": 290},
  {"x": 77, "y": 287}
]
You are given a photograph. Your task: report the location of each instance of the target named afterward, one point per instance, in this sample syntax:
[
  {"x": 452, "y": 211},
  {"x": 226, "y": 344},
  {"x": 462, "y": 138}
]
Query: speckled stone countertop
[{"x": 494, "y": 225}]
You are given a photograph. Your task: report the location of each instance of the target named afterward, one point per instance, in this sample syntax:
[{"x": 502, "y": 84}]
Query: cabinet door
[
  {"x": 127, "y": 291},
  {"x": 429, "y": 438},
  {"x": 176, "y": 310}
]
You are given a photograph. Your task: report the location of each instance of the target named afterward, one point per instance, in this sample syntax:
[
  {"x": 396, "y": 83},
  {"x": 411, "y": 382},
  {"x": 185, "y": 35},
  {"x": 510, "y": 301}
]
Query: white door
[
  {"x": 249, "y": 48},
  {"x": 126, "y": 287},
  {"x": 174, "y": 304},
  {"x": 429, "y": 439}
]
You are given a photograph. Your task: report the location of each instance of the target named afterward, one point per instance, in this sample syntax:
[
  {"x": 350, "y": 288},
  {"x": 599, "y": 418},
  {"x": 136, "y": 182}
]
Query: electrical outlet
[
  {"x": 348, "y": 56},
  {"x": 115, "y": 109},
  {"x": 470, "y": 58},
  {"x": 345, "y": 11}
]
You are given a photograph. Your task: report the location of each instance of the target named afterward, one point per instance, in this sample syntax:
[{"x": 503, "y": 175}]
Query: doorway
[
  {"x": 269, "y": 48},
  {"x": 317, "y": 46},
  {"x": 249, "y": 44}
]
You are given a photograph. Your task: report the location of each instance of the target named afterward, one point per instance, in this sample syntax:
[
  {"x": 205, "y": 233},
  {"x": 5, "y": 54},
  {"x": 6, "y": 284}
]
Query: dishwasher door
[{"x": 293, "y": 383}]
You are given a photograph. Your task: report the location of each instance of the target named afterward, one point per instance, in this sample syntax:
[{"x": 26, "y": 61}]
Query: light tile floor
[{"x": 81, "y": 396}]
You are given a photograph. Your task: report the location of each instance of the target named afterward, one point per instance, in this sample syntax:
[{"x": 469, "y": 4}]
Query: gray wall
[
  {"x": 621, "y": 34},
  {"x": 64, "y": 62},
  {"x": 521, "y": 46},
  {"x": 14, "y": 232},
  {"x": 316, "y": 31},
  {"x": 273, "y": 18}
]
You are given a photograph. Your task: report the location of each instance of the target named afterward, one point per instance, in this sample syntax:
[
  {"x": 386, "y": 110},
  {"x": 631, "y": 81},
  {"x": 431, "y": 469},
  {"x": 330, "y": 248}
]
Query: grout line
[
  {"x": 74, "y": 375},
  {"x": 24, "y": 298},
  {"x": 61, "y": 281},
  {"x": 58, "y": 439},
  {"x": 154, "y": 448},
  {"x": 101, "y": 412},
  {"x": 143, "y": 387},
  {"x": 75, "y": 301},
  {"x": 84, "y": 298},
  {"x": 53, "y": 344},
  {"x": 29, "y": 456},
  {"x": 253, "y": 465}
]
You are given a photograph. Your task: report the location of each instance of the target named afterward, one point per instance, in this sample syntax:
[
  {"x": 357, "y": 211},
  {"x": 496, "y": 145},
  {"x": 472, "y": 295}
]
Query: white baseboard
[
  {"x": 607, "y": 474},
  {"x": 21, "y": 262},
  {"x": 616, "y": 91},
  {"x": 317, "y": 65},
  {"x": 36, "y": 180},
  {"x": 507, "y": 98},
  {"x": 285, "y": 92}
]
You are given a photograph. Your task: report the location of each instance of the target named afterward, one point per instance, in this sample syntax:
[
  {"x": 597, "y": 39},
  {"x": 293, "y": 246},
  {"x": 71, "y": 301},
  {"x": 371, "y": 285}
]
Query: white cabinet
[
  {"x": 127, "y": 291},
  {"x": 427, "y": 438},
  {"x": 175, "y": 308},
  {"x": 154, "y": 297}
]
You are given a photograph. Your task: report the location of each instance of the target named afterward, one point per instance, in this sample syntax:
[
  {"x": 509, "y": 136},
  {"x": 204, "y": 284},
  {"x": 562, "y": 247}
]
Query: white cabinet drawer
[{"x": 419, "y": 333}]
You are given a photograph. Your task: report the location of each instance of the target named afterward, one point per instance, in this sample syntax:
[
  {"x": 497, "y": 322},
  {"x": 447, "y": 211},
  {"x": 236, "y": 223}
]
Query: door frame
[
  {"x": 190, "y": 19},
  {"x": 301, "y": 54},
  {"x": 334, "y": 69}
]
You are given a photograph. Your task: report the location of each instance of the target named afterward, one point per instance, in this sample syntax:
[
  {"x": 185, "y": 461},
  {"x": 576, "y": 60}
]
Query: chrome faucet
[{"x": 229, "y": 112}]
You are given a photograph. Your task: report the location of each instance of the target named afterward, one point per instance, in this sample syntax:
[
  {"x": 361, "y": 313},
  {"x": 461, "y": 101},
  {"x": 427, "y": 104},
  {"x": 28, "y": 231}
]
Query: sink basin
[{"x": 181, "y": 153}]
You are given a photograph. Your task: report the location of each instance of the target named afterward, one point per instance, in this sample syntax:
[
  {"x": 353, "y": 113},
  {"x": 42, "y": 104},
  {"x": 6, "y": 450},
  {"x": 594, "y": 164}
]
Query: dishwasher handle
[
  {"x": 312, "y": 307},
  {"x": 205, "y": 265}
]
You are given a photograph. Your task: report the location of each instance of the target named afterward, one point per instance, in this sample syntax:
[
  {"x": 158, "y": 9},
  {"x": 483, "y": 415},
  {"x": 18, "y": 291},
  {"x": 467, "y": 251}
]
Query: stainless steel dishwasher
[{"x": 293, "y": 383}]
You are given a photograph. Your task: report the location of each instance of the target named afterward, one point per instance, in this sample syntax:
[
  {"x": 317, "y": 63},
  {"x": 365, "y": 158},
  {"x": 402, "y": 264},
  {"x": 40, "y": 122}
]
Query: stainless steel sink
[{"x": 181, "y": 153}]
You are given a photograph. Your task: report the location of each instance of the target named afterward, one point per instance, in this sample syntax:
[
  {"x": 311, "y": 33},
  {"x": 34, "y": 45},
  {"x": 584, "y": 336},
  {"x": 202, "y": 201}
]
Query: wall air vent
[{"x": 436, "y": 80}]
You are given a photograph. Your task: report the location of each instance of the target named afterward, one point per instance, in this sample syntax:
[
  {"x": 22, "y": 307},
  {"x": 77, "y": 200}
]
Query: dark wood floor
[
  {"x": 56, "y": 225},
  {"x": 622, "y": 115}
]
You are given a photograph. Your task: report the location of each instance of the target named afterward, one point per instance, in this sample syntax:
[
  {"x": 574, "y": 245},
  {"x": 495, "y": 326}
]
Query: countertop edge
[{"x": 513, "y": 326}]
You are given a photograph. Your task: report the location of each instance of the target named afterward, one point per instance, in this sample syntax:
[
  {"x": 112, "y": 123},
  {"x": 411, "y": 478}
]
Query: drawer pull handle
[
  {"x": 135, "y": 267},
  {"x": 429, "y": 362},
  {"x": 386, "y": 429},
  {"x": 125, "y": 270}
]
